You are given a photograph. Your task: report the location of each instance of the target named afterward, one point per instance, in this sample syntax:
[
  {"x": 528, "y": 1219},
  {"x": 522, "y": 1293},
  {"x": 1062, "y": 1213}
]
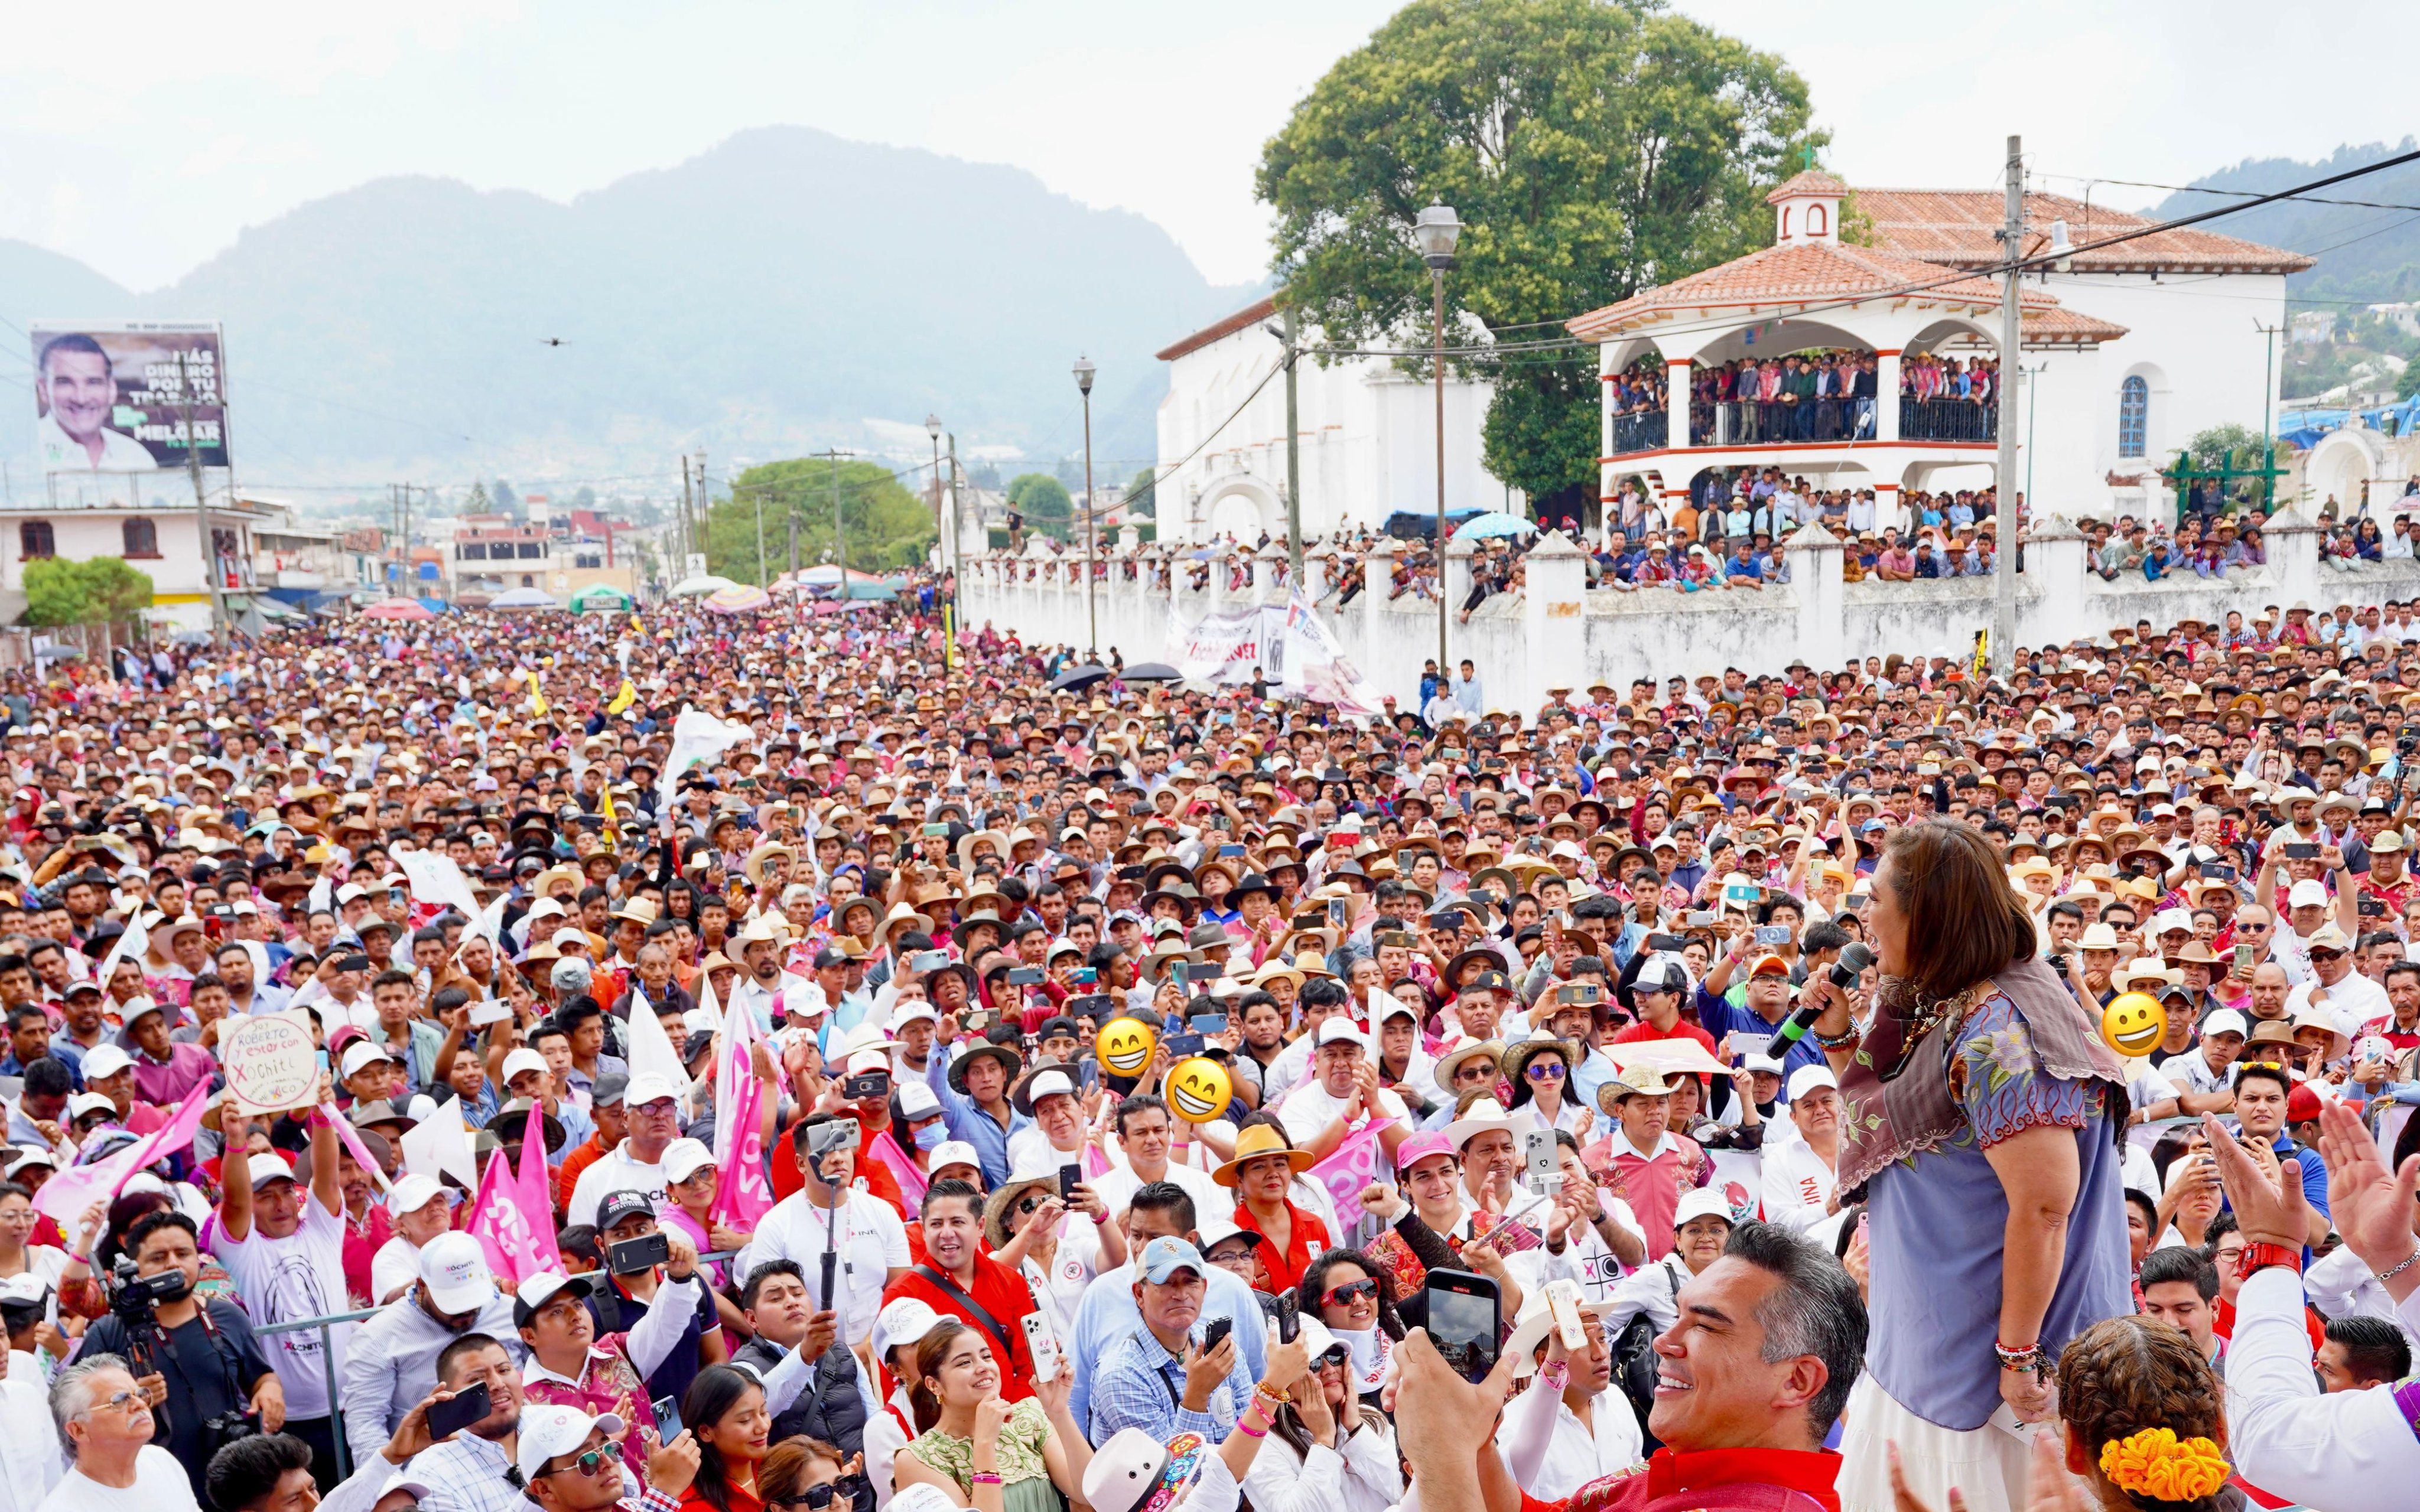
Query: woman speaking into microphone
[{"x": 1984, "y": 1115}]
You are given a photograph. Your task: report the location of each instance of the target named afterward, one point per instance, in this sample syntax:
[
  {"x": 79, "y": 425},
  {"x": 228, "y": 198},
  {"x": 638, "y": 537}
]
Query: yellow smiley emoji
[
  {"x": 1199, "y": 1090},
  {"x": 2134, "y": 1024},
  {"x": 1124, "y": 1045}
]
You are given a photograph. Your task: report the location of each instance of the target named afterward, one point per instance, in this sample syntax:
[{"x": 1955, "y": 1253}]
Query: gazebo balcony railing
[
  {"x": 1948, "y": 420},
  {"x": 1641, "y": 430}
]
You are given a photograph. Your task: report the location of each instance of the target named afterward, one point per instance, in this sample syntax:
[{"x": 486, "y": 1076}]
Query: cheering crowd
[{"x": 772, "y": 1062}]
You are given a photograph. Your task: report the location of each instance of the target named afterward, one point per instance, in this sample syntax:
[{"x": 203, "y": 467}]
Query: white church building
[
  {"x": 1368, "y": 438},
  {"x": 2127, "y": 353}
]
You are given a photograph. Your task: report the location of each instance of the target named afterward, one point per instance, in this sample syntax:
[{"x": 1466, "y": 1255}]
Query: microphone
[{"x": 1853, "y": 960}]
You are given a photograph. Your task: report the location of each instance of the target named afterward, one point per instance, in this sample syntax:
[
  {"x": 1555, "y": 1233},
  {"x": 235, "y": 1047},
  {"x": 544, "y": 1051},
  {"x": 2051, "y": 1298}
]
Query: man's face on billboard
[{"x": 80, "y": 391}]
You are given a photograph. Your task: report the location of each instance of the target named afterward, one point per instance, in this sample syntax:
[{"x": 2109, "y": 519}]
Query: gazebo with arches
[{"x": 1812, "y": 292}]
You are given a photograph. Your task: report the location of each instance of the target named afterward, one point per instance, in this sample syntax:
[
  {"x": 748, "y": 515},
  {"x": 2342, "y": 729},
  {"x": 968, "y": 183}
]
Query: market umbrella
[
  {"x": 601, "y": 597},
  {"x": 1078, "y": 677},
  {"x": 1494, "y": 523},
  {"x": 699, "y": 586},
  {"x": 525, "y": 598},
  {"x": 399, "y": 608},
  {"x": 1151, "y": 671},
  {"x": 740, "y": 598}
]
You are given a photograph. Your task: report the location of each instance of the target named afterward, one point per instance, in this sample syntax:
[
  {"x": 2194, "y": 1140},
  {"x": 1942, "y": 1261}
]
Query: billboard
[{"x": 109, "y": 396}]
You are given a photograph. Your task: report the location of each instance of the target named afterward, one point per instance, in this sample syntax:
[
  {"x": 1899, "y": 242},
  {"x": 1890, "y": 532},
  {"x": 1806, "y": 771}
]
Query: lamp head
[
  {"x": 1436, "y": 232},
  {"x": 933, "y": 426},
  {"x": 1084, "y": 374},
  {"x": 2060, "y": 245}
]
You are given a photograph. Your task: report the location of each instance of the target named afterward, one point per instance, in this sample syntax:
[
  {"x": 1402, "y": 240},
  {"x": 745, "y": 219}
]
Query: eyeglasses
[
  {"x": 1027, "y": 1204},
  {"x": 1352, "y": 1291},
  {"x": 591, "y": 1464},
  {"x": 1543, "y": 1070},
  {"x": 122, "y": 1401}
]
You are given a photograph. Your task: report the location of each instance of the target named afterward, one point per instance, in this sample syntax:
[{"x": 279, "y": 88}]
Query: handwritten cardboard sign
[{"x": 271, "y": 1063}]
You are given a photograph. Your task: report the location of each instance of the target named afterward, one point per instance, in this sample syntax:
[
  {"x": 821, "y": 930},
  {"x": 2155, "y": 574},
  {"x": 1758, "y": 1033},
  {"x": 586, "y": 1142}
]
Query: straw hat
[{"x": 1257, "y": 1141}]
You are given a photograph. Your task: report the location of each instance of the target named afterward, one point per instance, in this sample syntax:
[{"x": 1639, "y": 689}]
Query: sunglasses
[
  {"x": 1027, "y": 1204},
  {"x": 1543, "y": 1070},
  {"x": 1352, "y": 1291},
  {"x": 591, "y": 1464}
]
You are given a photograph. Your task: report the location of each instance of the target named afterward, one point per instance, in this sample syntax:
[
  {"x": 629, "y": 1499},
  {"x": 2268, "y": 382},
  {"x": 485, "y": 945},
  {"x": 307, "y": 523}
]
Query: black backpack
[{"x": 1633, "y": 1364}]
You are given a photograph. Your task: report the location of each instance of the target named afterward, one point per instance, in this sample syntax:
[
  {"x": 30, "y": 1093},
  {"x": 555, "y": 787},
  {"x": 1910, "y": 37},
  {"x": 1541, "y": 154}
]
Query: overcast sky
[{"x": 142, "y": 136}]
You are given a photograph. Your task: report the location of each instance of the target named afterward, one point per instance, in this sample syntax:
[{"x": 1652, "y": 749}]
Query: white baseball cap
[
  {"x": 268, "y": 1167},
  {"x": 916, "y": 1100},
  {"x": 455, "y": 1271},
  {"x": 363, "y": 1054},
  {"x": 1806, "y": 1078},
  {"x": 1341, "y": 1028},
  {"x": 412, "y": 1193},
  {"x": 902, "y": 1321},
  {"x": 2308, "y": 893},
  {"x": 953, "y": 1152},
  {"x": 104, "y": 1061},
  {"x": 1704, "y": 1202},
  {"x": 684, "y": 1157},
  {"x": 24, "y": 1289},
  {"x": 83, "y": 1103},
  {"x": 516, "y": 1063},
  {"x": 2225, "y": 1020},
  {"x": 549, "y": 1430},
  {"x": 647, "y": 1088}
]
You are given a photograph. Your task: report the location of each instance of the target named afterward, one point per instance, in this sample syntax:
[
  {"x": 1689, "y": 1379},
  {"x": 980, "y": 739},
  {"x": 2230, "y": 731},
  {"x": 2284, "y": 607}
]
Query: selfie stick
[{"x": 1853, "y": 960}]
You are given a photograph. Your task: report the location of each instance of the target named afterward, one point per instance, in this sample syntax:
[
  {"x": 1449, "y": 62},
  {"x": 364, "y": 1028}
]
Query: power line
[{"x": 2244, "y": 193}]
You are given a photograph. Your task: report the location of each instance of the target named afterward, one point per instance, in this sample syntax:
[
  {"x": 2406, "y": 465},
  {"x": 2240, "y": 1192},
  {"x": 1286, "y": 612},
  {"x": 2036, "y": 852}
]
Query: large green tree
[
  {"x": 104, "y": 590},
  {"x": 1044, "y": 502},
  {"x": 1591, "y": 148},
  {"x": 888, "y": 526}
]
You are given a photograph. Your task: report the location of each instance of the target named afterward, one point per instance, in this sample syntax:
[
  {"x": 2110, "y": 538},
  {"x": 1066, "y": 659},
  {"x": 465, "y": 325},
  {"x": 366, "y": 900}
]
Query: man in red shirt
[
  {"x": 964, "y": 1283},
  {"x": 1745, "y": 1394}
]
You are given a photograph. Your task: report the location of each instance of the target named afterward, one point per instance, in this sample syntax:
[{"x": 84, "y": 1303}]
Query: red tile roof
[
  {"x": 1800, "y": 274},
  {"x": 1953, "y": 227},
  {"x": 1249, "y": 315},
  {"x": 1813, "y": 181}
]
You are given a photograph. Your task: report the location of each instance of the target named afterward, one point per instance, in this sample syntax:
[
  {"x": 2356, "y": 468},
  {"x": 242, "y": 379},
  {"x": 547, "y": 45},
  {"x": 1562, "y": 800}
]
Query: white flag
[
  {"x": 651, "y": 1049},
  {"x": 440, "y": 1146},
  {"x": 698, "y": 739}
]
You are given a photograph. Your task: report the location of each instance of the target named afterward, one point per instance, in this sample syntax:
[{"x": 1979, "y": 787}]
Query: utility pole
[
  {"x": 1294, "y": 460},
  {"x": 839, "y": 535},
  {"x": 394, "y": 521},
  {"x": 405, "y": 543},
  {"x": 957, "y": 526},
  {"x": 2268, "y": 378},
  {"x": 2004, "y": 565},
  {"x": 201, "y": 507}
]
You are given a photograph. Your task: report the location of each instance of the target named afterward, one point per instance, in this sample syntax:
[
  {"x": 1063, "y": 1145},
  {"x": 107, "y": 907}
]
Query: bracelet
[
  {"x": 981, "y": 1477},
  {"x": 2027, "y": 1357},
  {"x": 1838, "y": 1042},
  {"x": 1248, "y": 1431},
  {"x": 1275, "y": 1399},
  {"x": 2404, "y": 1265}
]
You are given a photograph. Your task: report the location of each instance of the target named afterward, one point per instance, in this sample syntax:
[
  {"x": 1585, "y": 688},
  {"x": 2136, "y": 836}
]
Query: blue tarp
[
  {"x": 1420, "y": 525},
  {"x": 2302, "y": 429}
]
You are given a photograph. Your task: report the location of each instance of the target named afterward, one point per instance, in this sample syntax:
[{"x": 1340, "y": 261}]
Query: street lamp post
[
  {"x": 1437, "y": 231},
  {"x": 1092, "y": 616},
  {"x": 933, "y": 428}
]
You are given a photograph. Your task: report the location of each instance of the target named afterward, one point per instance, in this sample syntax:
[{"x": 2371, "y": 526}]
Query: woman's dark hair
[
  {"x": 122, "y": 1215},
  {"x": 1562, "y": 1050},
  {"x": 716, "y": 1391},
  {"x": 1956, "y": 898},
  {"x": 783, "y": 1474},
  {"x": 933, "y": 1348},
  {"x": 1314, "y": 1286},
  {"x": 2123, "y": 1375}
]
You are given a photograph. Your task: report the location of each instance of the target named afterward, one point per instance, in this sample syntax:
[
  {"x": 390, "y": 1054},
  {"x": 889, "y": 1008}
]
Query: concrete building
[
  {"x": 491, "y": 554},
  {"x": 2127, "y": 354},
  {"x": 1368, "y": 438}
]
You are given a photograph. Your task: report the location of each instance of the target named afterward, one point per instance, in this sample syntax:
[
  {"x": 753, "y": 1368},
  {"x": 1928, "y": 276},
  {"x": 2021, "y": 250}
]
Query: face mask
[{"x": 931, "y": 1136}]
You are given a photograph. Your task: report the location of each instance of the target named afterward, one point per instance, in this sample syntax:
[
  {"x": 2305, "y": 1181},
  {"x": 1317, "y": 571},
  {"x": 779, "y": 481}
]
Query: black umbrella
[
  {"x": 1153, "y": 672},
  {"x": 1075, "y": 678}
]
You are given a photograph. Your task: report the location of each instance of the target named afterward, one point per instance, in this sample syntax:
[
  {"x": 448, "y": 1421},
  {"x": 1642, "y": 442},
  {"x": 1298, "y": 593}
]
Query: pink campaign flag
[
  {"x": 912, "y": 1182},
  {"x": 353, "y": 1145},
  {"x": 745, "y": 1193},
  {"x": 501, "y": 1215},
  {"x": 1352, "y": 1166},
  {"x": 66, "y": 1195}
]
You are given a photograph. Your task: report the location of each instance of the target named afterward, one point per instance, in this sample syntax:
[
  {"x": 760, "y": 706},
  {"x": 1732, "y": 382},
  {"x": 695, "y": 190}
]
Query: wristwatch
[{"x": 2258, "y": 1257}]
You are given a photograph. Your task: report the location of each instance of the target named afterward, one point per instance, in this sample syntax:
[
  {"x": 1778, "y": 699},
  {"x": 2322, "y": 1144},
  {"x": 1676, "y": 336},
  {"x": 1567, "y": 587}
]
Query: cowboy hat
[{"x": 1255, "y": 1142}]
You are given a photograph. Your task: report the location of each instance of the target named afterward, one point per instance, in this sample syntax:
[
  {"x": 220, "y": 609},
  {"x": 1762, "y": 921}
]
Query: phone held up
[{"x": 1465, "y": 1315}]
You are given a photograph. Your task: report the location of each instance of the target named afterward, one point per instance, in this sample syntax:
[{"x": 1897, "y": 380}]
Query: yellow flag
[
  {"x": 623, "y": 700},
  {"x": 537, "y": 699},
  {"x": 635, "y": 624},
  {"x": 606, "y": 801}
]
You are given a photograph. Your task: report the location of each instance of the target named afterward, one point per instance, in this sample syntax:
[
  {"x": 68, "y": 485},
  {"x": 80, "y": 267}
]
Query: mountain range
[{"x": 784, "y": 291}]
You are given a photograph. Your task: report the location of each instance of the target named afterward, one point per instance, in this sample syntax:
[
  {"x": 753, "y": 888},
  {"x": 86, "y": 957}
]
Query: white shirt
[
  {"x": 120, "y": 453},
  {"x": 2352, "y": 1002},
  {"x": 1361, "y": 1474},
  {"x": 1309, "y": 1108},
  {"x": 2347, "y": 1451},
  {"x": 29, "y": 1440},
  {"x": 1116, "y": 1187},
  {"x": 301, "y": 1275},
  {"x": 872, "y": 1241},
  {"x": 1797, "y": 1184},
  {"x": 618, "y": 1170},
  {"x": 1551, "y": 1453},
  {"x": 393, "y": 1268},
  {"x": 159, "y": 1486}
]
